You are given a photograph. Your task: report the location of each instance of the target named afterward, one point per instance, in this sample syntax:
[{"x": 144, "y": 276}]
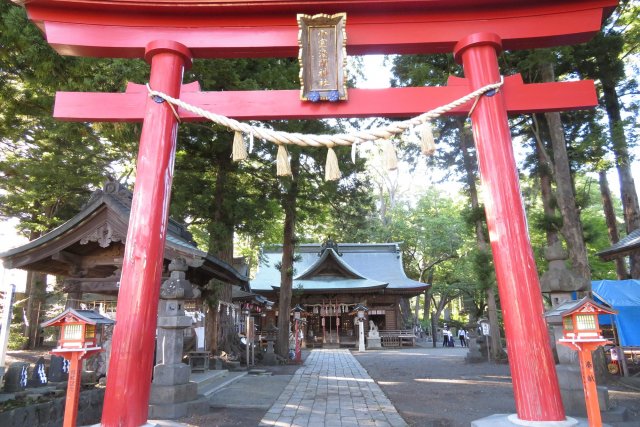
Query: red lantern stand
[
  {"x": 169, "y": 33},
  {"x": 581, "y": 332},
  {"x": 80, "y": 337}
]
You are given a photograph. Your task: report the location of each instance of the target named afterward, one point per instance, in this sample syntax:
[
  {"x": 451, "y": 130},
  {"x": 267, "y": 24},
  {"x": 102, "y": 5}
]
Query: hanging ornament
[
  {"x": 354, "y": 150},
  {"x": 283, "y": 168},
  {"x": 428, "y": 143},
  {"x": 332, "y": 170},
  {"x": 239, "y": 150},
  {"x": 390, "y": 157}
]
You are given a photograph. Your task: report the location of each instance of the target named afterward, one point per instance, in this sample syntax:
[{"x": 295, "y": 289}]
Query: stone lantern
[{"x": 173, "y": 395}]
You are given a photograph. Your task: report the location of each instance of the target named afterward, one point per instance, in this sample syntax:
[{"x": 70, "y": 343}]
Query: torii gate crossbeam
[{"x": 169, "y": 33}]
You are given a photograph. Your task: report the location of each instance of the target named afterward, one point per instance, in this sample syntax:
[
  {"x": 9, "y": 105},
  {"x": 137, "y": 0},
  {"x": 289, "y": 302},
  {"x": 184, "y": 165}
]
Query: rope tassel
[
  {"x": 390, "y": 157},
  {"x": 283, "y": 168},
  {"x": 428, "y": 143},
  {"x": 332, "y": 169},
  {"x": 239, "y": 150}
]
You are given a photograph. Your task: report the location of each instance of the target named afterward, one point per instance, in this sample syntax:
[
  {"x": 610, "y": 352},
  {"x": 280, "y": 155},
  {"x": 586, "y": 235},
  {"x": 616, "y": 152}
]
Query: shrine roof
[
  {"x": 88, "y": 316},
  {"x": 104, "y": 219},
  {"x": 567, "y": 307},
  {"x": 624, "y": 247},
  {"x": 348, "y": 267}
]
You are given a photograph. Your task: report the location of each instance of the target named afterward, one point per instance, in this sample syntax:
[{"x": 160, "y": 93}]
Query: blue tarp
[{"x": 623, "y": 296}]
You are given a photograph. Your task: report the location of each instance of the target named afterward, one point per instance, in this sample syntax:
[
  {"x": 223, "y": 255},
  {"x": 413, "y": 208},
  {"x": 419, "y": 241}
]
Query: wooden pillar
[
  {"x": 129, "y": 377},
  {"x": 535, "y": 383}
]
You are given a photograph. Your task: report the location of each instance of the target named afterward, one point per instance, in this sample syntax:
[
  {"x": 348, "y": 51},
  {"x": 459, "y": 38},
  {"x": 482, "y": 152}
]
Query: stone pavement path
[{"x": 332, "y": 389}]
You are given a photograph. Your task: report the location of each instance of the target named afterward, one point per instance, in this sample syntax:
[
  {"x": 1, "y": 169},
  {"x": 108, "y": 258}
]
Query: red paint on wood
[
  {"x": 126, "y": 399},
  {"x": 277, "y": 37},
  {"x": 278, "y": 105},
  {"x": 535, "y": 383},
  {"x": 73, "y": 389}
]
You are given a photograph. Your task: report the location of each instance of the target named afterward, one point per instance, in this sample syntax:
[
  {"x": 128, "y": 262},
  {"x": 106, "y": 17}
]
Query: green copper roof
[{"x": 349, "y": 267}]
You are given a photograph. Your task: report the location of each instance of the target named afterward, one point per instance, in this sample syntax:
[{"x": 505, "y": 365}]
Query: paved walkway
[{"x": 332, "y": 389}]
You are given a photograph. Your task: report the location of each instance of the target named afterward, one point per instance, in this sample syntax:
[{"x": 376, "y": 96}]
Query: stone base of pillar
[
  {"x": 475, "y": 354},
  {"x": 571, "y": 389},
  {"x": 373, "y": 343},
  {"x": 505, "y": 420},
  {"x": 172, "y": 411}
]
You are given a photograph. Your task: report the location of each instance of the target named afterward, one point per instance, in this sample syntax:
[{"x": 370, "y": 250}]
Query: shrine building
[
  {"x": 87, "y": 251},
  {"x": 329, "y": 280}
]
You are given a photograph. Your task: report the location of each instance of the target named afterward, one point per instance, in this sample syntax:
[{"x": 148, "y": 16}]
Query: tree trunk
[
  {"x": 470, "y": 168},
  {"x": 545, "y": 168},
  {"x": 612, "y": 225},
  {"x": 35, "y": 306},
  {"x": 289, "y": 202},
  {"x": 623, "y": 164},
  {"x": 416, "y": 318},
  {"x": 219, "y": 327},
  {"x": 427, "y": 312},
  {"x": 405, "y": 312},
  {"x": 571, "y": 225}
]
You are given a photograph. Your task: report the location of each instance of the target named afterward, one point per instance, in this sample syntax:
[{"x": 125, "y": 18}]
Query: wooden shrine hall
[
  {"x": 330, "y": 280},
  {"x": 87, "y": 250}
]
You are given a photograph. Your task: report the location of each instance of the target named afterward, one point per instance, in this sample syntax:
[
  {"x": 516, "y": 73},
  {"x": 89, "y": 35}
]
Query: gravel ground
[
  {"x": 434, "y": 387},
  {"x": 430, "y": 387}
]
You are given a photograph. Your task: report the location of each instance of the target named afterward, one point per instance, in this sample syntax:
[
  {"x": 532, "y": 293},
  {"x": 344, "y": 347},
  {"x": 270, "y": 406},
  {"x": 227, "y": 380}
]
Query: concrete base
[
  {"x": 512, "y": 420},
  {"x": 374, "y": 343},
  {"x": 170, "y": 394},
  {"x": 154, "y": 423},
  {"x": 570, "y": 381},
  {"x": 179, "y": 410}
]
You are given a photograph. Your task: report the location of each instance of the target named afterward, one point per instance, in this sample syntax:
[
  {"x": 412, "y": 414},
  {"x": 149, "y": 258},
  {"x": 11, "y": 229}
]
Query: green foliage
[
  {"x": 48, "y": 167},
  {"x": 17, "y": 338}
]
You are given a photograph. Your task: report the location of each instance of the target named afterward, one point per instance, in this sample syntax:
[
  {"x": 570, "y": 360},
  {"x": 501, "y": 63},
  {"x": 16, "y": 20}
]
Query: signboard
[
  {"x": 485, "y": 328},
  {"x": 323, "y": 56}
]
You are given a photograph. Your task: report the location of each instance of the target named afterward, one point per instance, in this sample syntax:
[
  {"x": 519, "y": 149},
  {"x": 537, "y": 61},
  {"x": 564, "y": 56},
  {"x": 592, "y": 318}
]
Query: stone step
[
  {"x": 207, "y": 377},
  {"x": 615, "y": 415},
  {"x": 219, "y": 383}
]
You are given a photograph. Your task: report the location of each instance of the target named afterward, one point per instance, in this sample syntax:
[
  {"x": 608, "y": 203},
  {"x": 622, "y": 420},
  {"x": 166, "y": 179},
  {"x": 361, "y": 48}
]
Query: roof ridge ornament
[{"x": 329, "y": 244}]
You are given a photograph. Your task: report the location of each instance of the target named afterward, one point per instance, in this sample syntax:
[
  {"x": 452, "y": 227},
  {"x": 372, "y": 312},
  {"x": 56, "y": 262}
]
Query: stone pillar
[{"x": 172, "y": 394}]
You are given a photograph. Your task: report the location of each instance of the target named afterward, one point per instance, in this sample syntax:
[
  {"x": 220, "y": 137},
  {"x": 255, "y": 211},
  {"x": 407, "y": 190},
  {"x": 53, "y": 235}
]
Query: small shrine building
[
  {"x": 330, "y": 280},
  {"x": 625, "y": 247},
  {"x": 87, "y": 251}
]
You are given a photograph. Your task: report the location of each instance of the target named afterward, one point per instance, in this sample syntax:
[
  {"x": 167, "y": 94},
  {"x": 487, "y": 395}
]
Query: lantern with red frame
[
  {"x": 580, "y": 322},
  {"x": 81, "y": 334},
  {"x": 581, "y": 332}
]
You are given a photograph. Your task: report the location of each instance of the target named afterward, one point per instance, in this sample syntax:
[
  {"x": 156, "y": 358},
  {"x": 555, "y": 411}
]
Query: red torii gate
[{"x": 168, "y": 34}]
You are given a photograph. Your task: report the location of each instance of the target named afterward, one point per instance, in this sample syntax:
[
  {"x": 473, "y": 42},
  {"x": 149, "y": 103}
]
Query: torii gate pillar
[
  {"x": 535, "y": 383},
  {"x": 129, "y": 376}
]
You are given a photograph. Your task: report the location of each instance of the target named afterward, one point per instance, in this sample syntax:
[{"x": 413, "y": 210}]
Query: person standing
[
  {"x": 462, "y": 334},
  {"x": 445, "y": 337}
]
